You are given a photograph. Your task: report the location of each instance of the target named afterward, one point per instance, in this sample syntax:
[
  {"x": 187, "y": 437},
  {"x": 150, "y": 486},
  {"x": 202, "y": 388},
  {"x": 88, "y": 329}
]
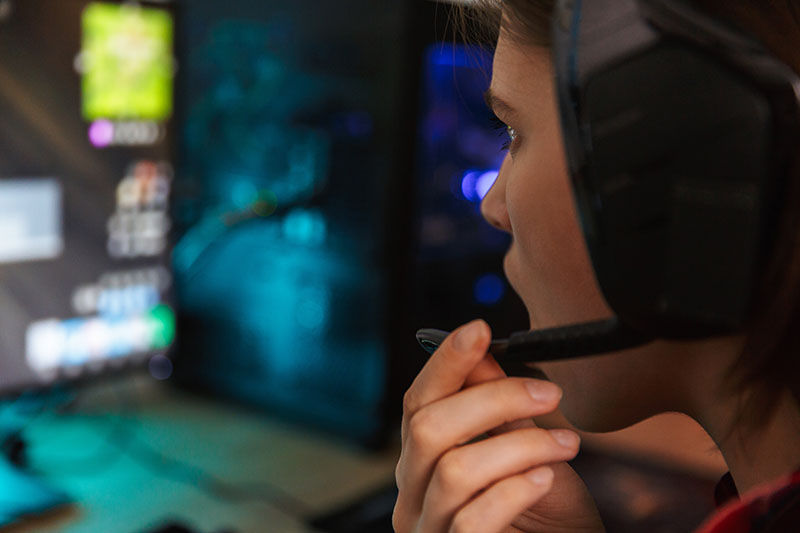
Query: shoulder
[{"x": 770, "y": 508}]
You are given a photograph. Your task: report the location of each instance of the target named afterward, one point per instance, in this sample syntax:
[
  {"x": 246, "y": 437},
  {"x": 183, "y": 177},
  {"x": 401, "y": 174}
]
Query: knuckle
[
  {"x": 398, "y": 521},
  {"x": 409, "y": 401},
  {"x": 461, "y": 523},
  {"x": 398, "y": 474},
  {"x": 421, "y": 430},
  {"x": 451, "y": 472},
  {"x": 403, "y": 516}
]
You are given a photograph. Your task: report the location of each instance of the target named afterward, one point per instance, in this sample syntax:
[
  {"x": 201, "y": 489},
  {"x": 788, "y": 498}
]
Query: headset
[{"x": 680, "y": 132}]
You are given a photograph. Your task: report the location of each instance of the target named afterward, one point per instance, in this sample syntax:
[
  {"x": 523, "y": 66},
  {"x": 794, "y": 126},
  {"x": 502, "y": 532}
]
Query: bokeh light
[
  {"x": 475, "y": 184},
  {"x": 101, "y": 133},
  {"x": 160, "y": 367},
  {"x": 489, "y": 289}
]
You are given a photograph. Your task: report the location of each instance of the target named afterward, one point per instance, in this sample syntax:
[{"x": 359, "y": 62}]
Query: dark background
[{"x": 385, "y": 97}]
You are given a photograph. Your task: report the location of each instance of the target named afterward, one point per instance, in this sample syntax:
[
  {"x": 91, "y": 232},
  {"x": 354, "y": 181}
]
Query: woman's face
[{"x": 548, "y": 263}]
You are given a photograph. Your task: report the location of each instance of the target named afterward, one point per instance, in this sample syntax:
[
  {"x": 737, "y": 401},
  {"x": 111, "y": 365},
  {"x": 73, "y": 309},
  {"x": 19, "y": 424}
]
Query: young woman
[{"x": 742, "y": 387}]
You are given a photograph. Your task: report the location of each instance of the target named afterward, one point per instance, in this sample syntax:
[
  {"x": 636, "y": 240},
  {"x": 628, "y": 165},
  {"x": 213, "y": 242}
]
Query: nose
[{"x": 493, "y": 206}]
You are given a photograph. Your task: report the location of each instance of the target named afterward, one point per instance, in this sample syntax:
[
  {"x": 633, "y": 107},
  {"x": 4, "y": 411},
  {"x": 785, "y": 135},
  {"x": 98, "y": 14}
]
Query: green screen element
[
  {"x": 126, "y": 62},
  {"x": 162, "y": 326}
]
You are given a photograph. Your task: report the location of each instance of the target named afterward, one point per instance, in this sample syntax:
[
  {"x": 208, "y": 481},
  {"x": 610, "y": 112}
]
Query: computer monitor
[
  {"x": 458, "y": 256},
  {"x": 86, "y": 100}
]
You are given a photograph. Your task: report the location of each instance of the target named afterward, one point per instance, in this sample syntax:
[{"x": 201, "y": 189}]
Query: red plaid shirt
[{"x": 770, "y": 508}]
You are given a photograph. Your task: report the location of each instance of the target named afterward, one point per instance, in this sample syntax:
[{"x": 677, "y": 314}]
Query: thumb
[{"x": 486, "y": 370}]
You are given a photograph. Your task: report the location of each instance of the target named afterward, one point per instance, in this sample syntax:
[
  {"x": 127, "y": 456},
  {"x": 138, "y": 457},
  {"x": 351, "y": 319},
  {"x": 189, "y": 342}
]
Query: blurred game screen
[
  {"x": 126, "y": 59},
  {"x": 86, "y": 96}
]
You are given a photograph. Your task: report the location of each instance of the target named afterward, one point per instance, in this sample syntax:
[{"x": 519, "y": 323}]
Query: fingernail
[
  {"x": 542, "y": 391},
  {"x": 565, "y": 437},
  {"x": 467, "y": 336},
  {"x": 541, "y": 476}
]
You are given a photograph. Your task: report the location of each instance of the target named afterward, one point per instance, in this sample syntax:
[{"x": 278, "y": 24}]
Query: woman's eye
[
  {"x": 512, "y": 136},
  {"x": 505, "y": 130}
]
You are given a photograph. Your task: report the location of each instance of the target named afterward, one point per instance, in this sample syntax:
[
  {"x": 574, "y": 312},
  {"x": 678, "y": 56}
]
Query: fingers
[
  {"x": 460, "y": 417},
  {"x": 497, "y": 507},
  {"x": 439, "y": 414},
  {"x": 489, "y": 370},
  {"x": 463, "y": 472},
  {"x": 473, "y": 411},
  {"x": 486, "y": 370},
  {"x": 447, "y": 369}
]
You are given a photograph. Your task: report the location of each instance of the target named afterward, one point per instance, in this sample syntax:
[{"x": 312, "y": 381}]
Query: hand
[{"x": 513, "y": 480}]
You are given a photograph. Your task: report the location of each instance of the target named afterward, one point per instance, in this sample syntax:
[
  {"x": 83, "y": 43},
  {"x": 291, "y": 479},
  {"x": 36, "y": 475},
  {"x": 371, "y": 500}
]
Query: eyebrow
[{"x": 498, "y": 105}]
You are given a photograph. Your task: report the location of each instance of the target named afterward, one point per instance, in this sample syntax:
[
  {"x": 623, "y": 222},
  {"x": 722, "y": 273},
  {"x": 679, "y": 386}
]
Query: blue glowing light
[
  {"x": 475, "y": 184},
  {"x": 75, "y": 352},
  {"x": 468, "y": 184},
  {"x": 243, "y": 194},
  {"x": 452, "y": 56},
  {"x": 485, "y": 182},
  {"x": 489, "y": 289},
  {"x": 121, "y": 301},
  {"x": 313, "y": 308},
  {"x": 305, "y": 226}
]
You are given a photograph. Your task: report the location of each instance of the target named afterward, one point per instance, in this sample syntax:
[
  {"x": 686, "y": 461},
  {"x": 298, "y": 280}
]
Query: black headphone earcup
[{"x": 679, "y": 168}]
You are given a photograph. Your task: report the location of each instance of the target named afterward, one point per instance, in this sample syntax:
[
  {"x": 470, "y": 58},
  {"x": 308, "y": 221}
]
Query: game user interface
[{"x": 86, "y": 171}]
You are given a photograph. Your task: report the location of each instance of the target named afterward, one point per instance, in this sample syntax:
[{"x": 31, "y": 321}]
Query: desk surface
[
  {"x": 135, "y": 455},
  {"x": 115, "y": 455}
]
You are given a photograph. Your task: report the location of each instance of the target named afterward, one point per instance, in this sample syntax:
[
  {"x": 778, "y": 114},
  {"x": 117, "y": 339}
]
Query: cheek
[{"x": 549, "y": 265}]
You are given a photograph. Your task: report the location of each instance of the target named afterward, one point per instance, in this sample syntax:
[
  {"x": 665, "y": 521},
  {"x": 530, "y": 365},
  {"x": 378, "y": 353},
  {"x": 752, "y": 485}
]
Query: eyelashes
[
  {"x": 505, "y": 130},
  {"x": 496, "y": 122}
]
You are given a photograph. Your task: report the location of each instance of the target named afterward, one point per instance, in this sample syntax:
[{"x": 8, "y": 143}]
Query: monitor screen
[
  {"x": 86, "y": 96},
  {"x": 459, "y": 256},
  {"x": 292, "y": 207}
]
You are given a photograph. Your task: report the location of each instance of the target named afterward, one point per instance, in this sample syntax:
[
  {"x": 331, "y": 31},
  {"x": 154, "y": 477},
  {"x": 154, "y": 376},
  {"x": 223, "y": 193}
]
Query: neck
[{"x": 756, "y": 455}]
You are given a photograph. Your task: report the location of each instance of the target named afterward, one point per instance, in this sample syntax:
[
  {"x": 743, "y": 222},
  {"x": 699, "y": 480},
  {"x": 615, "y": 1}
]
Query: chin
[{"x": 511, "y": 271}]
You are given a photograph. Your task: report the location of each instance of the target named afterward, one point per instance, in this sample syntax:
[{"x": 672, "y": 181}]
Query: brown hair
[{"x": 770, "y": 361}]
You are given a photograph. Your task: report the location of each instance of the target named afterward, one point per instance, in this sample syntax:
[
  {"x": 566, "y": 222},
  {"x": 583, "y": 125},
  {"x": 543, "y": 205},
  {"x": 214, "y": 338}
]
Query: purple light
[
  {"x": 485, "y": 182},
  {"x": 475, "y": 184},
  {"x": 468, "y": 185},
  {"x": 101, "y": 133}
]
